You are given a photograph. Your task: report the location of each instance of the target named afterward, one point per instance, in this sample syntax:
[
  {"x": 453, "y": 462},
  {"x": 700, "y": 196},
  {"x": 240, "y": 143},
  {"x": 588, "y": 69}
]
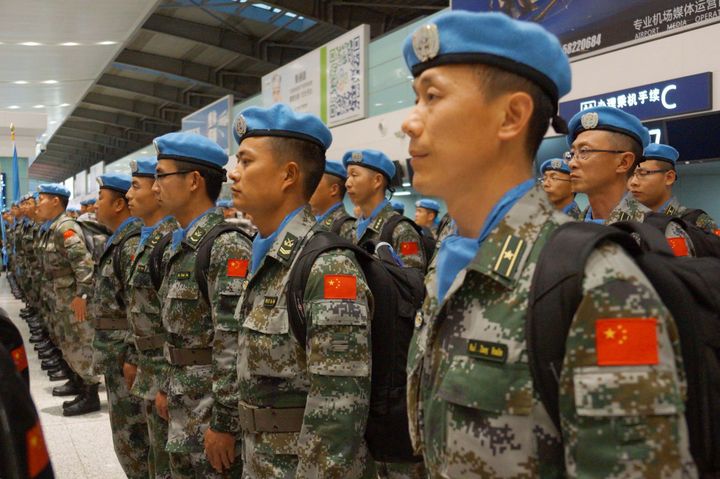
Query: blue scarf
[
  {"x": 146, "y": 231},
  {"x": 261, "y": 245},
  {"x": 45, "y": 226},
  {"x": 363, "y": 223},
  {"x": 179, "y": 234},
  {"x": 119, "y": 230},
  {"x": 589, "y": 217},
  {"x": 665, "y": 205},
  {"x": 456, "y": 252},
  {"x": 567, "y": 209},
  {"x": 323, "y": 217}
]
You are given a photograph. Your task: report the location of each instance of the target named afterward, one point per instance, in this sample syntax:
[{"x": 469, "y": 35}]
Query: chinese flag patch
[
  {"x": 36, "y": 452},
  {"x": 237, "y": 268},
  {"x": 340, "y": 286},
  {"x": 68, "y": 234},
  {"x": 19, "y": 358},
  {"x": 409, "y": 247},
  {"x": 626, "y": 341},
  {"x": 679, "y": 246},
  {"x": 717, "y": 232}
]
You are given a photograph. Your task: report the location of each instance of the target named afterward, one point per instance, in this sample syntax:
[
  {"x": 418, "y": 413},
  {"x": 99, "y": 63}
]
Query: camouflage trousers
[
  {"x": 195, "y": 465},
  {"x": 128, "y": 424},
  {"x": 396, "y": 470},
  {"x": 75, "y": 341},
  {"x": 158, "y": 459}
]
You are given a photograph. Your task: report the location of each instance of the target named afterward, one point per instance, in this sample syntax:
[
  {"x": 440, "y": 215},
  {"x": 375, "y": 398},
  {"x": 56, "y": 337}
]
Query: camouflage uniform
[
  {"x": 704, "y": 221},
  {"x": 68, "y": 265},
  {"x": 406, "y": 240},
  {"x": 127, "y": 420},
  {"x": 320, "y": 390},
  {"x": 143, "y": 311},
  {"x": 336, "y": 212},
  {"x": 473, "y": 416},
  {"x": 200, "y": 345}
]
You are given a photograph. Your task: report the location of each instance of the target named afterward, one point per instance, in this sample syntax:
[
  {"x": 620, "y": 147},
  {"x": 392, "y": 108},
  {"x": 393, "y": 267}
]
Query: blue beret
[
  {"x": 57, "y": 189},
  {"x": 658, "y": 151},
  {"x": 494, "y": 39},
  {"x": 335, "y": 168},
  {"x": 555, "y": 164},
  {"x": 609, "y": 119},
  {"x": 192, "y": 148},
  {"x": 372, "y": 159},
  {"x": 74, "y": 209},
  {"x": 281, "y": 120},
  {"x": 398, "y": 206},
  {"x": 428, "y": 204},
  {"x": 88, "y": 202},
  {"x": 145, "y": 166},
  {"x": 119, "y": 182},
  {"x": 224, "y": 204}
]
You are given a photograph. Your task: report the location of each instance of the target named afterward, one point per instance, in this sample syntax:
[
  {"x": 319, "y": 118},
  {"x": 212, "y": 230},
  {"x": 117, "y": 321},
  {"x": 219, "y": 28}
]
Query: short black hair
[
  {"x": 214, "y": 178},
  {"x": 308, "y": 155},
  {"x": 629, "y": 144},
  {"x": 336, "y": 180},
  {"x": 495, "y": 81},
  {"x": 64, "y": 200},
  {"x": 116, "y": 194}
]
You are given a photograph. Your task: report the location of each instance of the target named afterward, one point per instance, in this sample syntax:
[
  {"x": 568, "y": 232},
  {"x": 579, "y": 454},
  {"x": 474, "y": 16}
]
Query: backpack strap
[
  {"x": 389, "y": 227},
  {"x": 155, "y": 260},
  {"x": 340, "y": 222},
  {"x": 117, "y": 257},
  {"x": 692, "y": 215},
  {"x": 204, "y": 250},
  {"x": 555, "y": 294}
]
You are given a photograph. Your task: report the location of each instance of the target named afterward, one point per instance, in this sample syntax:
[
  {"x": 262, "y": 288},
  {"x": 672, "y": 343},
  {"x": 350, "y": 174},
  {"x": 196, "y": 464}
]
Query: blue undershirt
[{"x": 261, "y": 245}]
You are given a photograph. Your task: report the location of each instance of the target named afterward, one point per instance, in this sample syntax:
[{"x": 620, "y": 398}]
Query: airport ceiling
[{"x": 189, "y": 53}]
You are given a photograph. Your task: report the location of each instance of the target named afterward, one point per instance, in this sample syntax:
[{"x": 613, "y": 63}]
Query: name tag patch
[{"x": 496, "y": 352}]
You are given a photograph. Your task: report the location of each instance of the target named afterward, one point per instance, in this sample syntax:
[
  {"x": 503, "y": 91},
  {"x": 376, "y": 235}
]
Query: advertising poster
[{"x": 213, "y": 121}]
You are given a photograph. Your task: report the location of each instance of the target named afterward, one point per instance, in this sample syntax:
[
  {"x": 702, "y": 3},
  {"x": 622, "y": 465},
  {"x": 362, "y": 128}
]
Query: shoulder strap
[
  {"x": 117, "y": 254},
  {"x": 390, "y": 225},
  {"x": 692, "y": 215},
  {"x": 320, "y": 243},
  {"x": 340, "y": 222},
  {"x": 155, "y": 260},
  {"x": 555, "y": 294},
  {"x": 204, "y": 249}
]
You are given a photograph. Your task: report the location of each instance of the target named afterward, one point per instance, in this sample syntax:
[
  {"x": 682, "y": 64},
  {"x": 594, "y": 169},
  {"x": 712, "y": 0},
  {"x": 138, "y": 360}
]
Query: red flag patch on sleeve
[
  {"x": 19, "y": 358},
  {"x": 409, "y": 247},
  {"x": 626, "y": 341},
  {"x": 68, "y": 234},
  {"x": 679, "y": 246},
  {"x": 237, "y": 268},
  {"x": 717, "y": 232},
  {"x": 340, "y": 286}
]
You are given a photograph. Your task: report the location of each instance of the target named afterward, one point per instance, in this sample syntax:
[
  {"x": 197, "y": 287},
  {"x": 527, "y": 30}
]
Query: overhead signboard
[
  {"x": 96, "y": 171},
  {"x": 678, "y": 96},
  {"x": 212, "y": 121},
  {"x": 330, "y": 82},
  {"x": 80, "y": 183},
  {"x": 588, "y": 27}
]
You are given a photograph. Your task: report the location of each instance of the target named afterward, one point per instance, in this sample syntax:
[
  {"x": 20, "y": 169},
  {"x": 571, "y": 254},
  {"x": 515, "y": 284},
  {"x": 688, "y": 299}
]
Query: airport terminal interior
[{"x": 109, "y": 106}]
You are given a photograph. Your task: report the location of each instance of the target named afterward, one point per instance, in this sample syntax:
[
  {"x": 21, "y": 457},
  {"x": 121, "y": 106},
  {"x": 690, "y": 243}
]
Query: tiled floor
[{"x": 80, "y": 447}]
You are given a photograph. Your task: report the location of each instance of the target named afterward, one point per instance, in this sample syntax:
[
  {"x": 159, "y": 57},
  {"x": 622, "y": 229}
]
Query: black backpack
[
  {"x": 95, "y": 236},
  {"x": 155, "y": 267},
  {"x": 689, "y": 287},
  {"x": 117, "y": 270},
  {"x": 398, "y": 293},
  {"x": 340, "y": 222},
  {"x": 706, "y": 244},
  {"x": 427, "y": 242}
]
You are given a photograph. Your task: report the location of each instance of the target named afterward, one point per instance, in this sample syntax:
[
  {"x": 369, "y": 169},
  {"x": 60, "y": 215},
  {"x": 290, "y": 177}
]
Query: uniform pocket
[
  {"x": 270, "y": 349},
  {"x": 183, "y": 290}
]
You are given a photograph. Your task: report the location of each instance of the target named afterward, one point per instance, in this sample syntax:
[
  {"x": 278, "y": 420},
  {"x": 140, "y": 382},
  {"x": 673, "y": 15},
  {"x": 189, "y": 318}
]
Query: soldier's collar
[
  {"x": 289, "y": 237},
  {"x": 629, "y": 209},
  {"x": 380, "y": 217},
  {"x": 200, "y": 226}
]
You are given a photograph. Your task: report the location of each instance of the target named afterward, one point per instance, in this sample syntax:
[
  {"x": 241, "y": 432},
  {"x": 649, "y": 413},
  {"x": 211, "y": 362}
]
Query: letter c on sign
[{"x": 666, "y": 90}]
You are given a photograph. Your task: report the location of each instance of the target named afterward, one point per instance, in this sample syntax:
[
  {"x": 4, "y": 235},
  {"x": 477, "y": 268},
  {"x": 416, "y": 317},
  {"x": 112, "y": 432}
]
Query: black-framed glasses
[
  {"x": 180, "y": 172},
  {"x": 641, "y": 172},
  {"x": 552, "y": 178},
  {"x": 582, "y": 153}
]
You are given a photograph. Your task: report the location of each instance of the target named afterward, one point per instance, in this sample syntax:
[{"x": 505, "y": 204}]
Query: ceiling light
[
  {"x": 13, "y": 107},
  {"x": 65, "y": 104},
  {"x": 50, "y": 82},
  {"x": 31, "y": 44},
  {"x": 52, "y": 122},
  {"x": 403, "y": 193},
  {"x": 20, "y": 82},
  {"x": 106, "y": 42},
  {"x": 39, "y": 106},
  {"x": 69, "y": 44}
]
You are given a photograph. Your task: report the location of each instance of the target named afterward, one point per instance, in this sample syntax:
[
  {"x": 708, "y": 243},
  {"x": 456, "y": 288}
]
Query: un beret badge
[
  {"x": 556, "y": 164},
  {"x": 157, "y": 148},
  {"x": 133, "y": 166},
  {"x": 590, "y": 120},
  {"x": 240, "y": 126},
  {"x": 357, "y": 156},
  {"x": 426, "y": 42}
]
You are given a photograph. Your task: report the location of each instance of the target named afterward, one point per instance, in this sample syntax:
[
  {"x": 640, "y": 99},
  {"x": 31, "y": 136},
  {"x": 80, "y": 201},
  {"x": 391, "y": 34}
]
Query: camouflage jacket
[
  {"x": 405, "y": 239},
  {"x": 474, "y": 414},
  {"x": 110, "y": 299},
  {"x": 329, "y": 376},
  {"x": 704, "y": 221},
  {"x": 143, "y": 312},
  {"x": 190, "y": 322},
  {"x": 66, "y": 261},
  {"x": 337, "y": 212}
]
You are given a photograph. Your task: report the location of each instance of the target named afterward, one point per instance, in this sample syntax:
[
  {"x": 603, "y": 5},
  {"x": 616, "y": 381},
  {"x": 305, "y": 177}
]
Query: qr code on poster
[{"x": 344, "y": 81}]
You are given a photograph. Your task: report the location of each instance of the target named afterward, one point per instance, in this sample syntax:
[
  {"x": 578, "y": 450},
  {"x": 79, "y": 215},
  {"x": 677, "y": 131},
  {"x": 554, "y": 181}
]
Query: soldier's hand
[
  {"x": 161, "y": 405},
  {"x": 79, "y": 306},
  {"x": 219, "y": 449},
  {"x": 129, "y": 373}
]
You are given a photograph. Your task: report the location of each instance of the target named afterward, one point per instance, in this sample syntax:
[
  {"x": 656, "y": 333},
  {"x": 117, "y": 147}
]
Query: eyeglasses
[
  {"x": 552, "y": 178},
  {"x": 641, "y": 172},
  {"x": 159, "y": 176},
  {"x": 583, "y": 153}
]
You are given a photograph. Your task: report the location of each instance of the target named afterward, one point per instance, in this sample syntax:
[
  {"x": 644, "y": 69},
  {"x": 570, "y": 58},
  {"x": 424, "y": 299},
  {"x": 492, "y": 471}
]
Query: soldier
[
  {"x": 369, "y": 175},
  {"x": 398, "y": 206},
  {"x": 426, "y": 216},
  {"x": 87, "y": 209},
  {"x": 201, "y": 332},
  {"x": 68, "y": 266},
  {"x": 143, "y": 311},
  {"x": 327, "y": 201},
  {"x": 303, "y": 407},
  {"x": 483, "y": 106},
  {"x": 111, "y": 342},
  {"x": 652, "y": 183},
  {"x": 555, "y": 181}
]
